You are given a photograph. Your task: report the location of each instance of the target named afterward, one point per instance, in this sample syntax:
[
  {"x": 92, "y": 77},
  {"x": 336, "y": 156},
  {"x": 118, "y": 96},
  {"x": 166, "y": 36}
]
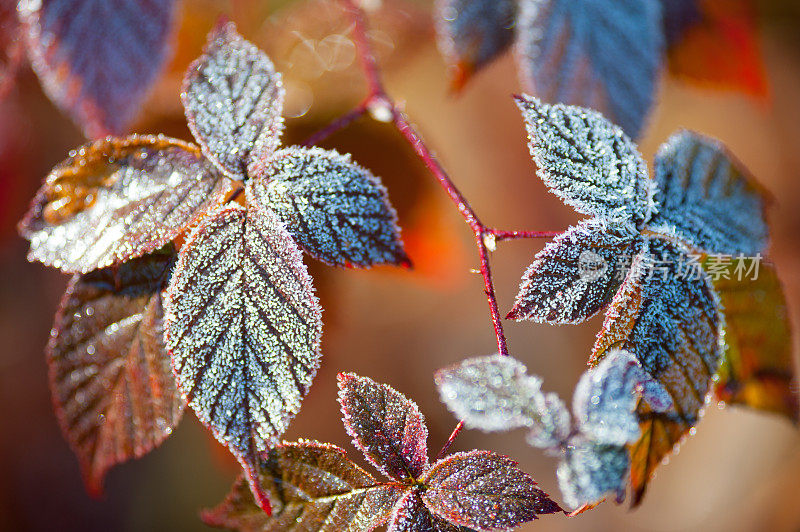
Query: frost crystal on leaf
[
  {"x": 590, "y": 470},
  {"x": 484, "y": 491},
  {"x": 604, "y": 402},
  {"x": 604, "y": 54},
  {"x": 110, "y": 377},
  {"x": 489, "y": 393},
  {"x": 243, "y": 327},
  {"x": 336, "y": 210},
  {"x": 473, "y": 32},
  {"x": 97, "y": 59},
  {"x": 588, "y": 162},
  {"x": 708, "y": 197},
  {"x": 576, "y": 275},
  {"x": 118, "y": 199},
  {"x": 386, "y": 426},
  {"x": 411, "y": 515},
  {"x": 311, "y": 487},
  {"x": 553, "y": 424},
  {"x": 233, "y": 99}
]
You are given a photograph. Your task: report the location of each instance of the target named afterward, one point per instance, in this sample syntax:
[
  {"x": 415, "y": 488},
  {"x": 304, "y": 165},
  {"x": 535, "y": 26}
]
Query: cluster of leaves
[
  {"x": 667, "y": 317},
  {"x": 602, "y": 54},
  {"x": 314, "y": 486},
  {"x": 96, "y": 60},
  {"x": 495, "y": 393},
  {"x": 171, "y": 270}
]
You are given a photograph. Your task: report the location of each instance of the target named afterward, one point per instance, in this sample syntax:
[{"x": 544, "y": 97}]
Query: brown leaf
[
  {"x": 386, "y": 426},
  {"x": 312, "y": 487},
  {"x": 672, "y": 325},
  {"x": 758, "y": 368},
  {"x": 484, "y": 491},
  {"x": 118, "y": 199},
  {"x": 113, "y": 389}
]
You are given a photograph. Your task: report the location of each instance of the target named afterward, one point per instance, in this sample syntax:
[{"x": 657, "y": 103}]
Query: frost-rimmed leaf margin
[{"x": 261, "y": 429}]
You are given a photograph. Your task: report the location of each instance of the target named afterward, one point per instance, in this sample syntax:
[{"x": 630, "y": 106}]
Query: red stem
[
  {"x": 514, "y": 235},
  {"x": 340, "y": 123},
  {"x": 450, "y": 440}
]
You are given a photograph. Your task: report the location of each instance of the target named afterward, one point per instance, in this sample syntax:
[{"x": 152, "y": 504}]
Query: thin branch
[
  {"x": 499, "y": 235},
  {"x": 450, "y": 440},
  {"x": 338, "y": 124}
]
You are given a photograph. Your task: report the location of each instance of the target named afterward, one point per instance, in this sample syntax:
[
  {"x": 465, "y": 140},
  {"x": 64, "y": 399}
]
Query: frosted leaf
[
  {"x": 589, "y": 472},
  {"x": 672, "y": 324},
  {"x": 484, "y": 491},
  {"x": 471, "y": 33},
  {"x": 117, "y": 199},
  {"x": 411, "y": 515},
  {"x": 312, "y": 487},
  {"x": 233, "y": 99},
  {"x": 490, "y": 393},
  {"x": 112, "y": 386},
  {"x": 97, "y": 59},
  {"x": 243, "y": 327},
  {"x": 603, "y": 54},
  {"x": 336, "y": 210},
  {"x": 758, "y": 369},
  {"x": 605, "y": 399},
  {"x": 587, "y": 161},
  {"x": 576, "y": 275},
  {"x": 386, "y": 426},
  {"x": 553, "y": 424},
  {"x": 708, "y": 197}
]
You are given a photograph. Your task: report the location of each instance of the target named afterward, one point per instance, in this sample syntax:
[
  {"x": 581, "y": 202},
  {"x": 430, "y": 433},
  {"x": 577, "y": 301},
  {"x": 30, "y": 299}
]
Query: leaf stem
[{"x": 449, "y": 442}]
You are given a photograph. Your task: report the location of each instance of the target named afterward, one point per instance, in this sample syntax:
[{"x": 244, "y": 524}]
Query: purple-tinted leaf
[
  {"x": 603, "y": 54},
  {"x": 679, "y": 15},
  {"x": 576, "y": 275},
  {"x": 590, "y": 471},
  {"x": 97, "y": 59},
  {"x": 605, "y": 399},
  {"x": 671, "y": 322},
  {"x": 386, "y": 426},
  {"x": 233, "y": 99},
  {"x": 473, "y": 32},
  {"x": 110, "y": 377},
  {"x": 490, "y": 393},
  {"x": 588, "y": 162},
  {"x": 484, "y": 491},
  {"x": 118, "y": 199},
  {"x": 411, "y": 515},
  {"x": 708, "y": 197},
  {"x": 243, "y": 327},
  {"x": 336, "y": 210},
  {"x": 312, "y": 487}
]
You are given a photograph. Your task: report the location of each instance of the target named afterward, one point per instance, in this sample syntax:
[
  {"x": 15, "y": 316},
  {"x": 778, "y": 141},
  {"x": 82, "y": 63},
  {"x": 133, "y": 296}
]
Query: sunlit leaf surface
[
  {"x": 117, "y": 199},
  {"x": 473, "y": 32},
  {"x": 312, "y": 487},
  {"x": 336, "y": 210},
  {"x": 484, "y": 491},
  {"x": 243, "y": 327},
  {"x": 576, "y": 275},
  {"x": 709, "y": 197},
  {"x": 97, "y": 59},
  {"x": 386, "y": 426},
  {"x": 758, "y": 369},
  {"x": 587, "y": 161},
  {"x": 110, "y": 376},
  {"x": 233, "y": 99},
  {"x": 603, "y": 54}
]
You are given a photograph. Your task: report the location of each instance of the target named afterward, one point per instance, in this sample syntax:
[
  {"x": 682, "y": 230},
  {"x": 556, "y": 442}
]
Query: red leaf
[
  {"x": 484, "y": 491},
  {"x": 97, "y": 59},
  {"x": 411, "y": 515},
  {"x": 112, "y": 385},
  {"x": 386, "y": 426}
]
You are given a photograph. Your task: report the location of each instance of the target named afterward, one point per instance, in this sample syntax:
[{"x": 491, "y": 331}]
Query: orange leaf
[{"x": 721, "y": 50}]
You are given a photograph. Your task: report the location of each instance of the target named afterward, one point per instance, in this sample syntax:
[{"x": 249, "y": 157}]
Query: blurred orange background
[{"x": 741, "y": 471}]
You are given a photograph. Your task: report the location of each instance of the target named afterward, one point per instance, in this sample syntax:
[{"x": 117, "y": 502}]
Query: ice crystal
[{"x": 590, "y": 470}]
